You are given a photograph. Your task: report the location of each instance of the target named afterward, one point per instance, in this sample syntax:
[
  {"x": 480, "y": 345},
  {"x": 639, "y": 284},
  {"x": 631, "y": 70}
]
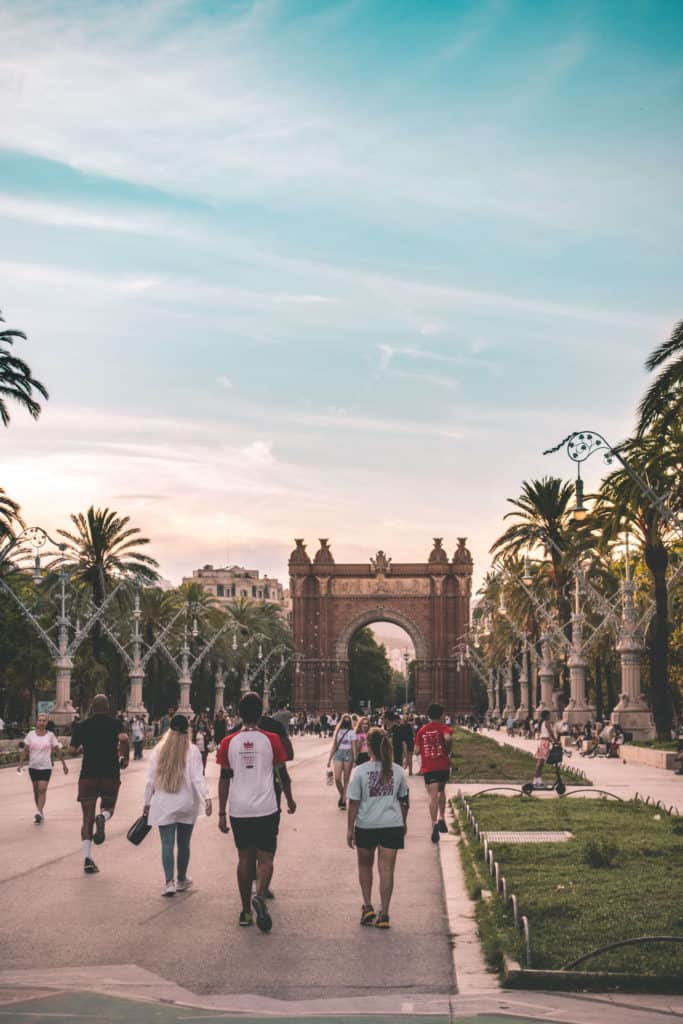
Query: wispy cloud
[
  {"x": 224, "y": 382},
  {"x": 51, "y": 214}
]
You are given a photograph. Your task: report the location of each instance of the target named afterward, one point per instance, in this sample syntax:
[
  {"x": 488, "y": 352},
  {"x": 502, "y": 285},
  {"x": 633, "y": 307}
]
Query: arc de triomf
[{"x": 430, "y": 600}]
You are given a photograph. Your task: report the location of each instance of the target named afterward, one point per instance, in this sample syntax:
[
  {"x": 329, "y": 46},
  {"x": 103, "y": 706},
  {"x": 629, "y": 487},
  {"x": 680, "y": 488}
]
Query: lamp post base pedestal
[
  {"x": 634, "y": 716},
  {"x": 578, "y": 714},
  {"x": 63, "y": 716}
]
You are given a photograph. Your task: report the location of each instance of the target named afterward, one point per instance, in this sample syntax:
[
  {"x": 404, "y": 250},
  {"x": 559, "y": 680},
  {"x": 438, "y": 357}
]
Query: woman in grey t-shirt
[{"x": 377, "y": 814}]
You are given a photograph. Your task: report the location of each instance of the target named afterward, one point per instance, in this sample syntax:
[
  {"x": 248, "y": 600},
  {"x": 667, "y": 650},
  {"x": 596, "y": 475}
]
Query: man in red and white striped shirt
[{"x": 247, "y": 759}]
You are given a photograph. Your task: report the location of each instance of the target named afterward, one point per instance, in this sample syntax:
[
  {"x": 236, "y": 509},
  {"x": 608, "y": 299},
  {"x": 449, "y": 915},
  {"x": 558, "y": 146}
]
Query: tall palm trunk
[{"x": 657, "y": 561}]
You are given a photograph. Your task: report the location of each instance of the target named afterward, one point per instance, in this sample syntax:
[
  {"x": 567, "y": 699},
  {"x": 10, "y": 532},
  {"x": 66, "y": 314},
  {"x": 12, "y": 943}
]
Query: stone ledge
[{"x": 645, "y": 755}]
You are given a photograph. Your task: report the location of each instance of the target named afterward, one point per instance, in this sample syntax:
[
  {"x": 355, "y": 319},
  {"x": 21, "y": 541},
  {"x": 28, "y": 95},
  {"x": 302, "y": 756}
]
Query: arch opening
[{"x": 381, "y": 667}]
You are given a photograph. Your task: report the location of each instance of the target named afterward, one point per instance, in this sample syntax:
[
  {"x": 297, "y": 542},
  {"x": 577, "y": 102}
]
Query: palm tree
[
  {"x": 663, "y": 401},
  {"x": 621, "y": 506},
  {"x": 10, "y": 517},
  {"x": 16, "y": 382},
  {"x": 544, "y": 515},
  {"x": 104, "y": 545}
]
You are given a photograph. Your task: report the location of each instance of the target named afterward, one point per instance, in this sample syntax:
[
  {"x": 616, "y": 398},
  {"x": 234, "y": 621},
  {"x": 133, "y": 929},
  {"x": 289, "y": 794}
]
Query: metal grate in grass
[{"x": 527, "y": 837}]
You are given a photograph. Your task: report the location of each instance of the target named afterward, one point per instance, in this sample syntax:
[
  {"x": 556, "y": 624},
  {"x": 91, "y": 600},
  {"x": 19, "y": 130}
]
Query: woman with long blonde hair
[
  {"x": 175, "y": 795},
  {"x": 378, "y": 811}
]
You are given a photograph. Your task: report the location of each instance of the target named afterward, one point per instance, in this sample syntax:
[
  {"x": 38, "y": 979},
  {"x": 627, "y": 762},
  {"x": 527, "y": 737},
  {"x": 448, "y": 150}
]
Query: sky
[{"x": 330, "y": 269}]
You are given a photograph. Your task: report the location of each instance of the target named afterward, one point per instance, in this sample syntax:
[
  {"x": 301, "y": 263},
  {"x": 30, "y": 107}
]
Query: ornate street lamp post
[
  {"x": 37, "y": 538},
  {"x": 631, "y": 712}
]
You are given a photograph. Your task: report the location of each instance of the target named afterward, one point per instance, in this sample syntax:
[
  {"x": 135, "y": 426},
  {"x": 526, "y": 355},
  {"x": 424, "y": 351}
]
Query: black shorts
[
  {"x": 389, "y": 838},
  {"x": 40, "y": 774},
  {"x": 256, "y": 833},
  {"x": 443, "y": 775},
  {"x": 105, "y": 789}
]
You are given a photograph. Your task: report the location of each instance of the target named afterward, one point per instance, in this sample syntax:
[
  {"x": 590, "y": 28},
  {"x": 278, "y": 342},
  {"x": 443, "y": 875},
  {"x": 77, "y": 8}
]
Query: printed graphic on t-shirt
[
  {"x": 248, "y": 754},
  {"x": 432, "y": 741},
  {"x": 379, "y": 786}
]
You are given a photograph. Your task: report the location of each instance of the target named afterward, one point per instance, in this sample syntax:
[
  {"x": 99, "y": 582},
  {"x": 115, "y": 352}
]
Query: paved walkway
[
  {"x": 624, "y": 780},
  {"x": 58, "y": 917},
  {"x": 108, "y": 948}
]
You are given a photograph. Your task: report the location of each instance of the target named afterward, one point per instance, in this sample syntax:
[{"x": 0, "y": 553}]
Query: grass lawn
[
  {"x": 620, "y": 877},
  {"x": 479, "y": 759}
]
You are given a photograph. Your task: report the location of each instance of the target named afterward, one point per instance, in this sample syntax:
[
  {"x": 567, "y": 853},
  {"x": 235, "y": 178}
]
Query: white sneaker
[
  {"x": 168, "y": 889},
  {"x": 184, "y": 885}
]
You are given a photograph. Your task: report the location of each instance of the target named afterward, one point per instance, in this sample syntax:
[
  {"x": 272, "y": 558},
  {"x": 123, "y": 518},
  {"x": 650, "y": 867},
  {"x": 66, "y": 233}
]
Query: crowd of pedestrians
[{"x": 370, "y": 760}]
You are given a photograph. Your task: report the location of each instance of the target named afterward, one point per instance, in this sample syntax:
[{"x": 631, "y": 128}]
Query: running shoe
[
  {"x": 182, "y": 885},
  {"x": 443, "y": 827},
  {"x": 246, "y": 919},
  {"x": 99, "y": 835},
  {"x": 342, "y": 805},
  {"x": 38, "y": 818},
  {"x": 367, "y": 914},
  {"x": 340, "y": 802},
  {"x": 435, "y": 833},
  {"x": 90, "y": 867},
  {"x": 382, "y": 921},
  {"x": 264, "y": 921},
  {"x": 168, "y": 889}
]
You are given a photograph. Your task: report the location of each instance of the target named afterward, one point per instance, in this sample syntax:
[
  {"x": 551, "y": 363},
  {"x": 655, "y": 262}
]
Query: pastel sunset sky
[{"x": 330, "y": 269}]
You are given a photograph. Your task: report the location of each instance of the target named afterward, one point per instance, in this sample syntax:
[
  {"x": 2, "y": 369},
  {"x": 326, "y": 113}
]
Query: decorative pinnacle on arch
[
  {"x": 299, "y": 555},
  {"x": 324, "y": 555},
  {"x": 438, "y": 555}
]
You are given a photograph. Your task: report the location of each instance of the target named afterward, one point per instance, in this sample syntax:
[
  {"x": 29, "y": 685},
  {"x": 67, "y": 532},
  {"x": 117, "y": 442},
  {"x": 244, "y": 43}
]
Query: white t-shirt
[
  {"x": 251, "y": 754},
  {"x": 379, "y": 800},
  {"x": 184, "y": 806},
  {"x": 40, "y": 749},
  {"x": 345, "y": 738}
]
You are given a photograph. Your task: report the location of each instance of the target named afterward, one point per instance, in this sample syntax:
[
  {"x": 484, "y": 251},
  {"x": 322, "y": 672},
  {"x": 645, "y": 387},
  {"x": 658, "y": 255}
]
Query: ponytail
[{"x": 380, "y": 745}]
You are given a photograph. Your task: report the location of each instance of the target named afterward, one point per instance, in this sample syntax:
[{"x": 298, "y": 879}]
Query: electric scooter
[{"x": 555, "y": 757}]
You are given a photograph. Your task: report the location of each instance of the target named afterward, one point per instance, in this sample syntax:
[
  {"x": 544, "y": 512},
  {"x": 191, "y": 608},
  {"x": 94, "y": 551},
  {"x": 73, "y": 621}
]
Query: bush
[{"x": 600, "y": 853}]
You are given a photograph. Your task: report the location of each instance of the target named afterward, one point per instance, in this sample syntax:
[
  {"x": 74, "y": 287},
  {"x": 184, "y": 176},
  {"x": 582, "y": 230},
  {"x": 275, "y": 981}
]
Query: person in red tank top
[{"x": 433, "y": 744}]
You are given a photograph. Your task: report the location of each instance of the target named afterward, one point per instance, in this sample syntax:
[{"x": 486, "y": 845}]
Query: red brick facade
[{"x": 430, "y": 600}]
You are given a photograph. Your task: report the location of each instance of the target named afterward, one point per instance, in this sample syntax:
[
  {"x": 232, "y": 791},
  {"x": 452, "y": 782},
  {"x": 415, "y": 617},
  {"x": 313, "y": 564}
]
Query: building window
[
  {"x": 253, "y": 591},
  {"x": 220, "y": 590},
  {"x": 243, "y": 593},
  {"x": 266, "y": 593}
]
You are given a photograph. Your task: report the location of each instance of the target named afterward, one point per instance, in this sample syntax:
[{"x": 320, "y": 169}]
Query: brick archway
[{"x": 430, "y": 600}]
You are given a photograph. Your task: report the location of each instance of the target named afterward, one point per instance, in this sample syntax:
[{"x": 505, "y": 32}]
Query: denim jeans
[{"x": 168, "y": 835}]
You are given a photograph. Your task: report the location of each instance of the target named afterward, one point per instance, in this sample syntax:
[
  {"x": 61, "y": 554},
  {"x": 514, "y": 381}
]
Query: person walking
[
  {"x": 283, "y": 716},
  {"x": 247, "y": 759},
  {"x": 343, "y": 751},
  {"x": 38, "y": 747},
  {"x": 201, "y": 736},
  {"x": 175, "y": 795},
  {"x": 362, "y": 752},
  {"x": 165, "y": 721},
  {"x": 105, "y": 748},
  {"x": 406, "y": 736},
  {"x": 220, "y": 726},
  {"x": 395, "y": 734},
  {"x": 137, "y": 734},
  {"x": 433, "y": 744},
  {"x": 377, "y": 820},
  {"x": 546, "y": 737}
]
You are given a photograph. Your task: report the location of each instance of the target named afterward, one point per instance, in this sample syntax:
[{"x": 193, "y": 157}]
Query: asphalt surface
[{"x": 54, "y": 916}]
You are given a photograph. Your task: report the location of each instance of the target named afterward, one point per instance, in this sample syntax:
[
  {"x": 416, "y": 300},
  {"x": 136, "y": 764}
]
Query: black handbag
[
  {"x": 138, "y": 830},
  {"x": 555, "y": 754}
]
